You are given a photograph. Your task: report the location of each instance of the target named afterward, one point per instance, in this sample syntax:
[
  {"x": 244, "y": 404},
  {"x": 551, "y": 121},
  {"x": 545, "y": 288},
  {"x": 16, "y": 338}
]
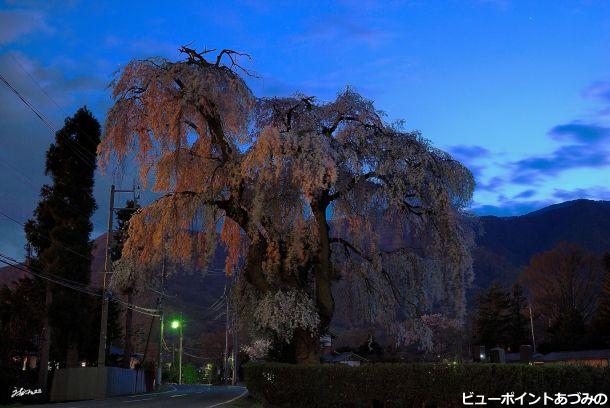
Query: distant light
[
  {"x": 175, "y": 324},
  {"x": 83, "y": 364}
]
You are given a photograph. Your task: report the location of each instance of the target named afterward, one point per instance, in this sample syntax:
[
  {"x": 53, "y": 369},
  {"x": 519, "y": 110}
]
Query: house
[
  {"x": 330, "y": 356},
  {"x": 134, "y": 361},
  {"x": 348, "y": 358},
  {"x": 594, "y": 358}
]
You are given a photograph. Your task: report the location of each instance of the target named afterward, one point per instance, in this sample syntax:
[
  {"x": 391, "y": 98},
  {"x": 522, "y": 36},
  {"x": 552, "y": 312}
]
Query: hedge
[{"x": 413, "y": 385}]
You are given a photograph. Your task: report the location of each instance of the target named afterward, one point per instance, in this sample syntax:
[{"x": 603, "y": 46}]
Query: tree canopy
[
  {"x": 59, "y": 233},
  {"x": 301, "y": 193}
]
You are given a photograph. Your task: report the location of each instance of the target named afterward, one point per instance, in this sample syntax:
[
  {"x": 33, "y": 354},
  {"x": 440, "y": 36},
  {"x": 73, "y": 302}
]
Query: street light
[{"x": 177, "y": 324}]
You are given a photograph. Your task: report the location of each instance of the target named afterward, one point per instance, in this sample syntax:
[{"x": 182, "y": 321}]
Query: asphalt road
[{"x": 200, "y": 396}]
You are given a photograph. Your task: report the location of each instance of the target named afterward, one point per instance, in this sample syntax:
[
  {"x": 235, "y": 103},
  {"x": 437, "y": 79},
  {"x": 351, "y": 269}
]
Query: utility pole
[
  {"x": 43, "y": 373},
  {"x": 101, "y": 355},
  {"x": 226, "y": 359},
  {"x": 235, "y": 345},
  {"x": 160, "y": 355},
  {"x": 532, "y": 327},
  {"x": 181, "y": 350}
]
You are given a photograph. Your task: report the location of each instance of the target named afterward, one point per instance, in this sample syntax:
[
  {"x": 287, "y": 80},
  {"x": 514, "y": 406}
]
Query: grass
[{"x": 245, "y": 402}]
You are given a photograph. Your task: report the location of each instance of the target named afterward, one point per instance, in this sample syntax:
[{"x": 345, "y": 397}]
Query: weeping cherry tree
[{"x": 302, "y": 194}]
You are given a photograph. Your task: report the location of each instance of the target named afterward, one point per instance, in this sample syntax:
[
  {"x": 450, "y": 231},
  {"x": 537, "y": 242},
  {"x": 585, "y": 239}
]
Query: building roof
[
  {"x": 119, "y": 351},
  {"x": 574, "y": 355},
  {"x": 347, "y": 356}
]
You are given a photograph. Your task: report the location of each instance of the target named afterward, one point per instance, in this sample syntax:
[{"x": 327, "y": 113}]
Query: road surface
[{"x": 183, "y": 396}]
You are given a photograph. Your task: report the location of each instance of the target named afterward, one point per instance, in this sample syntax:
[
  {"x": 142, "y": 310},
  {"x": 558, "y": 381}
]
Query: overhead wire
[
  {"x": 29, "y": 74},
  {"x": 89, "y": 257},
  {"x": 76, "y": 147},
  {"x": 78, "y": 286}
]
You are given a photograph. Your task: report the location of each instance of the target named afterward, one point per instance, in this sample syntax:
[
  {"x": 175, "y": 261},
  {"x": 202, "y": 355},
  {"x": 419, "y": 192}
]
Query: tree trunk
[
  {"x": 127, "y": 350},
  {"x": 307, "y": 348},
  {"x": 45, "y": 349},
  {"x": 323, "y": 274},
  {"x": 72, "y": 355}
]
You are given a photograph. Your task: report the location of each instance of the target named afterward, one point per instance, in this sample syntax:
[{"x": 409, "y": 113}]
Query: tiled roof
[
  {"x": 574, "y": 355},
  {"x": 347, "y": 356}
]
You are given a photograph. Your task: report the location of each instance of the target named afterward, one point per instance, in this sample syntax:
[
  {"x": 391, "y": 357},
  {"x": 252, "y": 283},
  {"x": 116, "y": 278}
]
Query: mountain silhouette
[{"x": 506, "y": 244}]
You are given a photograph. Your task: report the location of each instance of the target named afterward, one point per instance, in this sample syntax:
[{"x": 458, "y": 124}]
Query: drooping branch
[
  {"x": 348, "y": 246},
  {"x": 351, "y": 184}
]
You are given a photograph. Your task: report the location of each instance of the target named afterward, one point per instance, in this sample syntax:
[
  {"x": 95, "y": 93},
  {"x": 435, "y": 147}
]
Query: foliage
[
  {"x": 369, "y": 349},
  {"x": 491, "y": 316},
  {"x": 518, "y": 322},
  {"x": 59, "y": 236},
  {"x": 189, "y": 374},
  {"x": 563, "y": 279},
  {"x": 125, "y": 281},
  {"x": 20, "y": 318},
  {"x": 601, "y": 321},
  {"x": 412, "y": 385},
  {"x": 258, "y": 350},
  {"x": 500, "y": 318},
  {"x": 563, "y": 284},
  {"x": 438, "y": 336},
  {"x": 20, "y": 322},
  {"x": 303, "y": 193}
]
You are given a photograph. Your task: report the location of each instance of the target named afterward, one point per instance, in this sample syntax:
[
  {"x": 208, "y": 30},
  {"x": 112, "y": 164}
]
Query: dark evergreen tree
[
  {"x": 600, "y": 333},
  {"x": 60, "y": 233},
  {"x": 518, "y": 320},
  {"x": 20, "y": 319},
  {"x": 492, "y": 317},
  {"x": 569, "y": 332}
]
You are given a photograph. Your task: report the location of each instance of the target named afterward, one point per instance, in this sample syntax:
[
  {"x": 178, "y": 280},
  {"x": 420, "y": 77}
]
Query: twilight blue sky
[{"x": 517, "y": 90}]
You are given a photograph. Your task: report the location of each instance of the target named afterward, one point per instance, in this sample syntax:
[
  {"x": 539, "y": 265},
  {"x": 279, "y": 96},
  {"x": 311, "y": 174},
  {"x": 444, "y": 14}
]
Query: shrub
[
  {"x": 413, "y": 385},
  {"x": 189, "y": 374}
]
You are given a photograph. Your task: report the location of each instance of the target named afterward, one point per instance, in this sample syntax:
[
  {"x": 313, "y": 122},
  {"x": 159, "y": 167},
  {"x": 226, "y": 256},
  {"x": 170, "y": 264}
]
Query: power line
[
  {"x": 80, "y": 287},
  {"x": 51, "y": 278},
  {"x": 202, "y": 357},
  {"x": 75, "y": 147},
  {"x": 33, "y": 79},
  {"x": 46, "y": 237},
  {"x": 29, "y": 74},
  {"x": 28, "y": 180},
  {"x": 33, "y": 187}
]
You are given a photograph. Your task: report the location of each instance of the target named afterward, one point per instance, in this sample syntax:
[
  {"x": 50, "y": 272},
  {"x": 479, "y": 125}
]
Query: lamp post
[{"x": 177, "y": 324}]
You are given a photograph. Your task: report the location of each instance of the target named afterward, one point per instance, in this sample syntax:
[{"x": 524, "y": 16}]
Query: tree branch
[
  {"x": 234, "y": 63},
  {"x": 308, "y": 101},
  {"x": 351, "y": 184}
]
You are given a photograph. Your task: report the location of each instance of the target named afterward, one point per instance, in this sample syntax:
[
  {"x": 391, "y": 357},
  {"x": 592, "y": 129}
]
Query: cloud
[
  {"x": 581, "y": 133},
  {"x": 500, "y": 4},
  {"x": 470, "y": 155},
  {"x": 492, "y": 185},
  {"x": 598, "y": 90},
  {"x": 142, "y": 47},
  {"x": 17, "y": 23},
  {"x": 535, "y": 168},
  {"x": 510, "y": 208},
  {"x": 24, "y": 139},
  {"x": 339, "y": 28},
  {"x": 466, "y": 153},
  {"x": 597, "y": 193},
  {"x": 525, "y": 194}
]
